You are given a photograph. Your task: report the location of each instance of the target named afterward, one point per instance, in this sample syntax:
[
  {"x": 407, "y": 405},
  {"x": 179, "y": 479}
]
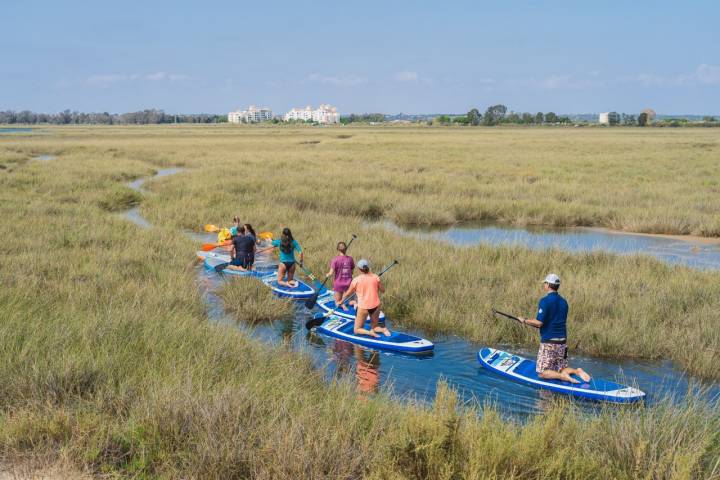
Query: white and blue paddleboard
[
  {"x": 203, "y": 255},
  {"x": 326, "y": 303},
  {"x": 342, "y": 328},
  {"x": 211, "y": 263},
  {"x": 523, "y": 370},
  {"x": 302, "y": 291}
]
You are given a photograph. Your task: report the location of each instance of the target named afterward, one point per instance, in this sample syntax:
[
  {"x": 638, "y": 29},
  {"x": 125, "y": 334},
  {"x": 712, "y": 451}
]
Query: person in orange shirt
[{"x": 368, "y": 287}]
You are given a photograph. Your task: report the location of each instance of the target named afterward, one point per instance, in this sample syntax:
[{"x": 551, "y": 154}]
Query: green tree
[
  {"x": 550, "y": 117},
  {"x": 474, "y": 117},
  {"x": 539, "y": 118},
  {"x": 527, "y": 118},
  {"x": 642, "y": 119}
]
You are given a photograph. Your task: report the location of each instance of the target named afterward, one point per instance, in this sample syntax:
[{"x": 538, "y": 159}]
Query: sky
[{"x": 370, "y": 56}]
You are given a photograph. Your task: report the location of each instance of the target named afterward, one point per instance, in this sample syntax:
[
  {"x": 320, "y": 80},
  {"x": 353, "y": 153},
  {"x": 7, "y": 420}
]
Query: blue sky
[{"x": 371, "y": 56}]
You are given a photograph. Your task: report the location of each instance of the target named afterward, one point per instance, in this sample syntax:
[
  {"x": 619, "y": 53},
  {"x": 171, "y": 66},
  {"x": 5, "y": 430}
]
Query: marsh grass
[
  {"x": 252, "y": 302},
  {"x": 108, "y": 361}
]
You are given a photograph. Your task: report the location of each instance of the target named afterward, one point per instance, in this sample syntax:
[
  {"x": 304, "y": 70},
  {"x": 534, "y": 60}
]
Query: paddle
[
  {"x": 314, "y": 322},
  {"x": 210, "y": 228},
  {"x": 310, "y": 302},
  {"x": 206, "y": 247},
  {"x": 511, "y": 317}
]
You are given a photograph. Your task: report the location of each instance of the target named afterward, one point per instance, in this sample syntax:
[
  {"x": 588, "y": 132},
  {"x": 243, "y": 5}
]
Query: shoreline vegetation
[{"x": 110, "y": 365}]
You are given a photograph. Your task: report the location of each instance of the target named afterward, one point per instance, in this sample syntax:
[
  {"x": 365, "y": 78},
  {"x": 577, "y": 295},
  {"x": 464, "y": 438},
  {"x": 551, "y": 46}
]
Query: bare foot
[
  {"x": 292, "y": 283},
  {"x": 583, "y": 374},
  {"x": 567, "y": 378}
]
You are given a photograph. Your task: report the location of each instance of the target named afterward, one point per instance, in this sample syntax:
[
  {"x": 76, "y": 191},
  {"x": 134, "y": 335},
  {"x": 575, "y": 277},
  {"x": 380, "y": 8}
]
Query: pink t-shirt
[
  {"x": 343, "y": 266},
  {"x": 367, "y": 287}
]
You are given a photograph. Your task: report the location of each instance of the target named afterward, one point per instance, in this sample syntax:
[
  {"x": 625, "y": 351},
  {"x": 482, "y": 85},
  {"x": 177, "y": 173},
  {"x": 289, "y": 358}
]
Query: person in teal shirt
[{"x": 287, "y": 246}]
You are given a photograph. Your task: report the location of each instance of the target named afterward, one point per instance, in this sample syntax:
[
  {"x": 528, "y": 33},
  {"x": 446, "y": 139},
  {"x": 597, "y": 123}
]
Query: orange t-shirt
[{"x": 367, "y": 287}]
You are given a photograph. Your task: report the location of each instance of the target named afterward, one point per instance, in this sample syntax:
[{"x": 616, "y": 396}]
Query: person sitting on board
[
  {"x": 287, "y": 246},
  {"x": 368, "y": 287},
  {"x": 249, "y": 230},
  {"x": 552, "y": 363},
  {"x": 341, "y": 267},
  {"x": 243, "y": 251}
]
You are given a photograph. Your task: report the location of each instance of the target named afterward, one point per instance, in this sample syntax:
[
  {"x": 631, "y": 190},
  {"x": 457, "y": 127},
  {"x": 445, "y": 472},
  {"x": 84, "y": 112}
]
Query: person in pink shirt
[
  {"x": 368, "y": 288},
  {"x": 342, "y": 267}
]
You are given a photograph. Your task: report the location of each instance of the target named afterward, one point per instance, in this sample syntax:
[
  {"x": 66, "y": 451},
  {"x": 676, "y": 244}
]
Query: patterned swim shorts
[{"x": 551, "y": 356}]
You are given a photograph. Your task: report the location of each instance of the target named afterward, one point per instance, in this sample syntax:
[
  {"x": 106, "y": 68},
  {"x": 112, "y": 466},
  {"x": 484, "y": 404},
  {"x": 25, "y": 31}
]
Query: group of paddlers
[{"x": 551, "y": 318}]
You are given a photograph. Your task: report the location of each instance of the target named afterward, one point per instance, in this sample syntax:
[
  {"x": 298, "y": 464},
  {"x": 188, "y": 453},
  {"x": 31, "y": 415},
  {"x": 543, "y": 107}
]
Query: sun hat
[{"x": 552, "y": 279}]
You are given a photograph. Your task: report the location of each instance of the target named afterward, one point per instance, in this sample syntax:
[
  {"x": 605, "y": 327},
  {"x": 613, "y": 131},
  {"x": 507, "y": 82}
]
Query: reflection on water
[
  {"x": 138, "y": 184},
  {"x": 453, "y": 360},
  {"x": 44, "y": 158},
  {"x": 697, "y": 254}
]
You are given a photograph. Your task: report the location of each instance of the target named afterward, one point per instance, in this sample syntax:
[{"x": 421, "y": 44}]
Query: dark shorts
[
  {"x": 242, "y": 262},
  {"x": 288, "y": 265},
  {"x": 373, "y": 310},
  {"x": 552, "y": 356}
]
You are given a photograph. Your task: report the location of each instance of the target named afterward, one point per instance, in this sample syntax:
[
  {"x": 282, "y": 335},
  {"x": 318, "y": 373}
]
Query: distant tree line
[
  {"x": 144, "y": 117},
  {"x": 362, "y": 117},
  {"x": 498, "y": 115}
]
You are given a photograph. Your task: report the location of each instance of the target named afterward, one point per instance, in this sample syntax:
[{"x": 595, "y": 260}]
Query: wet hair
[
  {"x": 553, "y": 286},
  {"x": 344, "y": 247},
  {"x": 286, "y": 241},
  {"x": 236, "y": 219},
  {"x": 249, "y": 229},
  {"x": 241, "y": 230}
]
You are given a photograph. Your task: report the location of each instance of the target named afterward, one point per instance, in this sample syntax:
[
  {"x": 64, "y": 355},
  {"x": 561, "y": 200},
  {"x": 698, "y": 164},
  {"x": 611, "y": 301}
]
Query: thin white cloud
[
  {"x": 406, "y": 77},
  {"x": 704, "y": 74},
  {"x": 337, "y": 80},
  {"x": 108, "y": 80}
]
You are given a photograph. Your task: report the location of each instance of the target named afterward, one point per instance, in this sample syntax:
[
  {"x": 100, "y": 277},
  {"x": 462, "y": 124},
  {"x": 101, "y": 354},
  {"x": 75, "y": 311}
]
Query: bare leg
[
  {"x": 374, "y": 320},
  {"x": 237, "y": 267},
  {"x": 553, "y": 375},
  {"x": 281, "y": 274},
  {"x": 577, "y": 371},
  {"x": 338, "y": 297},
  {"x": 290, "y": 275},
  {"x": 360, "y": 324}
]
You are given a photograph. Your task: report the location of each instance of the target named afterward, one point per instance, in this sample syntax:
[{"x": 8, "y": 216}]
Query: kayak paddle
[
  {"x": 310, "y": 302},
  {"x": 210, "y": 228},
  {"x": 314, "y": 322},
  {"x": 511, "y": 317},
  {"x": 206, "y": 247}
]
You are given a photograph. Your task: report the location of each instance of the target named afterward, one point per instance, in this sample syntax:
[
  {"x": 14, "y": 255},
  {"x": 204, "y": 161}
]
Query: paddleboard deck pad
[
  {"x": 302, "y": 291},
  {"x": 523, "y": 370},
  {"x": 342, "y": 328},
  {"x": 326, "y": 303}
]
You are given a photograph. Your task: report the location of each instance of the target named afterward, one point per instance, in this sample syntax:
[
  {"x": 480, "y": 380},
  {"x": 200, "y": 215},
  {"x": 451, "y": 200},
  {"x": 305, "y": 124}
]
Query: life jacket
[{"x": 224, "y": 235}]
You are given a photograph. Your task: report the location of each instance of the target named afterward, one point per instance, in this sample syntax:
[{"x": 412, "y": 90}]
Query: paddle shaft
[{"x": 512, "y": 317}]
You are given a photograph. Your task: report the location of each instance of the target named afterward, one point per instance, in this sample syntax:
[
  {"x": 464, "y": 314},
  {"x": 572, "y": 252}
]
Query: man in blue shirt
[{"x": 551, "y": 319}]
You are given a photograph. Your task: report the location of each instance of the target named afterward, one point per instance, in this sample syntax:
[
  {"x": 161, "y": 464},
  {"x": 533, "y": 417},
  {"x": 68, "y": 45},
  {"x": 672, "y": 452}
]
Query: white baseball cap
[
  {"x": 363, "y": 264},
  {"x": 552, "y": 279}
]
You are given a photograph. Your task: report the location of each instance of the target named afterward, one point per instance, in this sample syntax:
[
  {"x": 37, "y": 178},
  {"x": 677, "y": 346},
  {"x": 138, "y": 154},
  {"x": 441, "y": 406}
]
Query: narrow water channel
[{"x": 416, "y": 377}]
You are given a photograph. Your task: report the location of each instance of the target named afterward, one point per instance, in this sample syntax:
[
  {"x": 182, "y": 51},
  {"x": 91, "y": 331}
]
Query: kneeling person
[
  {"x": 552, "y": 363},
  {"x": 368, "y": 287},
  {"x": 243, "y": 251}
]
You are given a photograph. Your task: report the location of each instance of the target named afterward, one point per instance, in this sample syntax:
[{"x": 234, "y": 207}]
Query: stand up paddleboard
[
  {"x": 523, "y": 370},
  {"x": 326, "y": 303},
  {"x": 211, "y": 263},
  {"x": 342, "y": 328},
  {"x": 203, "y": 255},
  {"x": 302, "y": 291}
]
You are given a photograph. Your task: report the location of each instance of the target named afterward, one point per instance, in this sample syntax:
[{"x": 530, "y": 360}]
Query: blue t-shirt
[
  {"x": 552, "y": 312},
  {"x": 287, "y": 257}
]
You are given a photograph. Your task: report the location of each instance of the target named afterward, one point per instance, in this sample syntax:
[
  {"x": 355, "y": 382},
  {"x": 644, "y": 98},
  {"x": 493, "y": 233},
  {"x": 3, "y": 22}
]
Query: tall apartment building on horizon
[
  {"x": 252, "y": 115},
  {"x": 323, "y": 114}
]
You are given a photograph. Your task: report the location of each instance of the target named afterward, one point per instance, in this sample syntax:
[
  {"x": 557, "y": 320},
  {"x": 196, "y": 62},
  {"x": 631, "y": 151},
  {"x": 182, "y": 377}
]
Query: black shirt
[{"x": 244, "y": 245}]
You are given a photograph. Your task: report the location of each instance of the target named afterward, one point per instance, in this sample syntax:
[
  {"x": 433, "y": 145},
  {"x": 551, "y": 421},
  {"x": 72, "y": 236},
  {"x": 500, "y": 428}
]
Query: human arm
[
  {"x": 300, "y": 251},
  {"x": 381, "y": 287},
  {"x": 349, "y": 292},
  {"x": 533, "y": 322}
]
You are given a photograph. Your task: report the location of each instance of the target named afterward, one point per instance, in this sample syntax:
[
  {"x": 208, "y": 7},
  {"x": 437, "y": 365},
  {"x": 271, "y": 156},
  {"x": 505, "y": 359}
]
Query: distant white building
[
  {"x": 609, "y": 118},
  {"x": 322, "y": 114},
  {"x": 252, "y": 115}
]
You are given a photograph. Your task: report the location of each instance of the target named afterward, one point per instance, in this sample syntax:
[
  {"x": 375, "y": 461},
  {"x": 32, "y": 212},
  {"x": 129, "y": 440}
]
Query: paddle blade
[
  {"x": 315, "y": 321},
  {"x": 210, "y": 228},
  {"x": 206, "y": 247},
  {"x": 265, "y": 235},
  {"x": 219, "y": 268}
]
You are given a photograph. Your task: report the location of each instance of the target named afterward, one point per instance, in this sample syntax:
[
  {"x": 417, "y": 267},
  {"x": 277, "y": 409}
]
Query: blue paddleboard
[
  {"x": 342, "y": 328},
  {"x": 326, "y": 303},
  {"x": 302, "y": 291},
  {"x": 523, "y": 370},
  {"x": 212, "y": 262}
]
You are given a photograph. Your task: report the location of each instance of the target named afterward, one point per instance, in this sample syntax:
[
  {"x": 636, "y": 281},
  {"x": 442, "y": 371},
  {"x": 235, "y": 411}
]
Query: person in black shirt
[{"x": 243, "y": 251}]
